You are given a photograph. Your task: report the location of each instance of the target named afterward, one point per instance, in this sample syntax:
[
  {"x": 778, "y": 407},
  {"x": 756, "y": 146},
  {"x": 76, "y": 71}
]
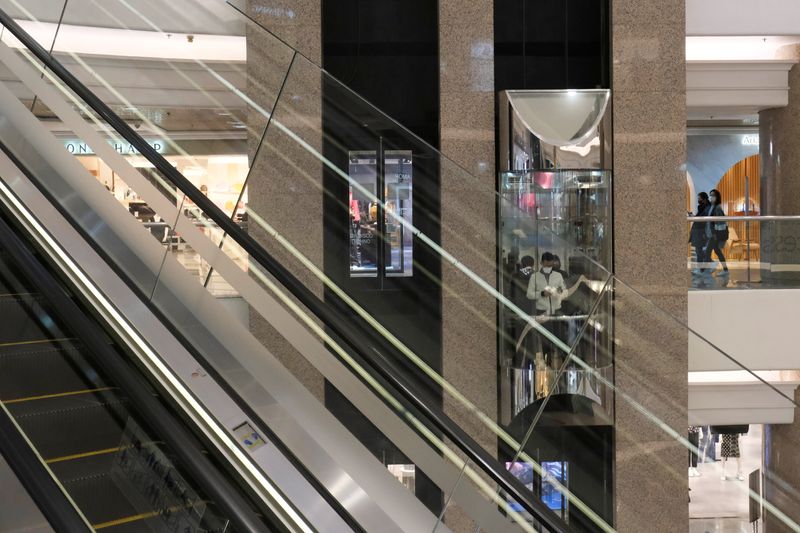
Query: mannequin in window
[{"x": 730, "y": 449}]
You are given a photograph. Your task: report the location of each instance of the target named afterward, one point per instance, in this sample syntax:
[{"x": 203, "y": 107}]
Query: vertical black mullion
[
  {"x": 566, "y": 44},
  {"x": 381, "y": 194},
  {"x": 605, "y": 44}
]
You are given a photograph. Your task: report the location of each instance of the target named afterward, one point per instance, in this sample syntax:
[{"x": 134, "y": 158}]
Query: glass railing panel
[
  {"x": 364, "y": 170},
  {"x": 95, "y": 180},
  {"x": 751, "y": 252},
  {"x": 85, "y": 428},
  {"x": 368, "y": 195},
  {"x": 194, "y": 225},
  {"x": 372, "y": 416},
  {"x": 648, "y": 429}
]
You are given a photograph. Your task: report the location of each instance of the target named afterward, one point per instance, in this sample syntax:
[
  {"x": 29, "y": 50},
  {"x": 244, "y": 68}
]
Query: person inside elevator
[
  {"x": 525, "y": 347},
  {"x": 557, "y": 268},
  {"x": 700, "y": 234},
  {"x": 546, "y": 287},
  {"x": 719, "y": 230},
  {"x": 520, "y": 281}
]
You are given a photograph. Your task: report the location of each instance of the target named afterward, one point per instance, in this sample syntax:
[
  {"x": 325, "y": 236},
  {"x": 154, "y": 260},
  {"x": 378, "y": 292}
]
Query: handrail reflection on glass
[
  {"x": 343, "y": 330},
  {"x": 544, "y": 333},
  {"x": 754, "y": 218},
  {"x": 750, "y": 247}
]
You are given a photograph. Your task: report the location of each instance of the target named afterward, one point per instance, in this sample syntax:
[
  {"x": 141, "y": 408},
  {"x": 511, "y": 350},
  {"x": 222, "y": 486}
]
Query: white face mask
[{"x": 547, "y": 270}]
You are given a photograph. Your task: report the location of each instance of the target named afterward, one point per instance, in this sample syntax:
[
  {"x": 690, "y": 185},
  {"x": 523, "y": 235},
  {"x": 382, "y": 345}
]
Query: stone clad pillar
[
  {"x": 651, "y": 362},
  {"x": 779, "y": 145},
  {"x": 782, "y": 473},
  {"x": 469, "y": 345},
  {"x": 779, "y": 139},
  {"x": 285, "y": 179}
]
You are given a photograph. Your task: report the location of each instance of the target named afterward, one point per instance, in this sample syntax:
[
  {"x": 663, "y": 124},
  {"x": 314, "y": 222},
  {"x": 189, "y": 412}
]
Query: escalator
[
  {"x": 92, "y": 431},
  {"x": 118, "y": 444}
]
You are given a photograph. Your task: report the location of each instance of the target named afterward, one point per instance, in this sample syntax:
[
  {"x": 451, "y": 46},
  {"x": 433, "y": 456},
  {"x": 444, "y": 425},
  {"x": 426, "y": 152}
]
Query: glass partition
[
  {"x": 750, "y": 252},
  {"x": 330, "y": 197}
]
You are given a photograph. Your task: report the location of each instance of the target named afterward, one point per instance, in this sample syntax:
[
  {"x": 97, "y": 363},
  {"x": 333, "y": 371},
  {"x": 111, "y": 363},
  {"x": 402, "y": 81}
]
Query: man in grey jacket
[{"x": 546, "y": 287}]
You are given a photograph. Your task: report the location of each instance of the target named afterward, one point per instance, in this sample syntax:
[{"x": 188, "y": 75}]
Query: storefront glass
[
  {"x": 220, "y": 177},
  {"x": 381, "y": 204}
]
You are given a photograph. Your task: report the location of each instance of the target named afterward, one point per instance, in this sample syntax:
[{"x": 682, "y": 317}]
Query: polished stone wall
[
  {"x": 650, "y": 248},
  {"x": 779, "y": 131},
  {"x": 285, "y": 182},
  {"x": 468, "y": 214},
  {"x": 781, "y": 481},
  {"x": 649, "y": 91},
  {"x": 779, "y": 136},
  {"x": 779, "y": 145}
]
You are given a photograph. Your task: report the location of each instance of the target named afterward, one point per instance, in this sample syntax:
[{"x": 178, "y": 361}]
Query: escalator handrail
[
  {"x": 340, "y": 326},
  {"x": 181, "y": 442}
]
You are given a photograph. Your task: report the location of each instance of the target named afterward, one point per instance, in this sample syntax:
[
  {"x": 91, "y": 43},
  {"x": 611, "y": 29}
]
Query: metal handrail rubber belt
[{"x": 168, "y": 427}]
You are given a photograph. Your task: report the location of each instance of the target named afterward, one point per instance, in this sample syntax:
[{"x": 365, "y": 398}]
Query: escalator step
[
  {"x": 111, "y": 501},
  {"x": 101, "y": 499},
  {"x": 24, "y": 318},
  {"x": 90, "y": 463},
  {"x": 44, "y": 369},
  {"x": 76, "y": 427},
  {"x": 87, "y": 464}
]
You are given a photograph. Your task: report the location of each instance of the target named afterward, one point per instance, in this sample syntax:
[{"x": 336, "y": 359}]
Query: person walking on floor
[
  {"x": 700, "y": 234},
  {"x": 719, "y": 230}
]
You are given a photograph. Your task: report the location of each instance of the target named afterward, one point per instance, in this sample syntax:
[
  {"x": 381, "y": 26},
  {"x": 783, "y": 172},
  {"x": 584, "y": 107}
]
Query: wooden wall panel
[{"x": 732, "y": 188}]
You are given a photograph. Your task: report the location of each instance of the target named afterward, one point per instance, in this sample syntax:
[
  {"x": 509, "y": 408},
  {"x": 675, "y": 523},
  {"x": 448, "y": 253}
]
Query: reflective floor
[
  {"x": 719, "y": 525},
  {"x": 198, "y": 267},
  {"x": 714, "y": 498}
]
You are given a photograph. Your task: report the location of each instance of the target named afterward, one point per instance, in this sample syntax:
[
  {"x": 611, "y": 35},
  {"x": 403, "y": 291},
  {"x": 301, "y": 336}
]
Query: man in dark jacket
[{"x": 700, "y": 234}]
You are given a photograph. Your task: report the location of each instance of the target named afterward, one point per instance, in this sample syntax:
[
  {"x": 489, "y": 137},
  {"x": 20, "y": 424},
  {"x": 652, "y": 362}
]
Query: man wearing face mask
[{"x": 546, "y": 287}]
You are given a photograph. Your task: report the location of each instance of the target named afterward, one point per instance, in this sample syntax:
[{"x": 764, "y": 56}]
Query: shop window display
[
  {"x": 380, "y": 199},
  {"x": 220, "y": 177}
]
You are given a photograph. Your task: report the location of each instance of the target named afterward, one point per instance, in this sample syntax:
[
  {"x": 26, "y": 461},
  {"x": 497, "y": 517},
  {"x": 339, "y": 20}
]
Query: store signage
[
  {"x": 81, "y": 148},
  {"x": 750, "y": 140}
]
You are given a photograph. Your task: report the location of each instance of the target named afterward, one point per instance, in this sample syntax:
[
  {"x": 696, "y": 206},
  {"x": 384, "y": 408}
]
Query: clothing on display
[{"x": 730, "y": 446}]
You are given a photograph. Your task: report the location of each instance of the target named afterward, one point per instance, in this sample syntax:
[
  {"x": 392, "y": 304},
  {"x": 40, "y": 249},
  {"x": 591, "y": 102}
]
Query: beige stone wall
[
  {"x": 782, "y": 473},
  {"x": 469, "y": 351},
  {"x": 779, "y": 131},
  {"x": 649, "y": 91},
  {"x": 649, "y": 189},
  {"x": 285, "y": 183}
]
